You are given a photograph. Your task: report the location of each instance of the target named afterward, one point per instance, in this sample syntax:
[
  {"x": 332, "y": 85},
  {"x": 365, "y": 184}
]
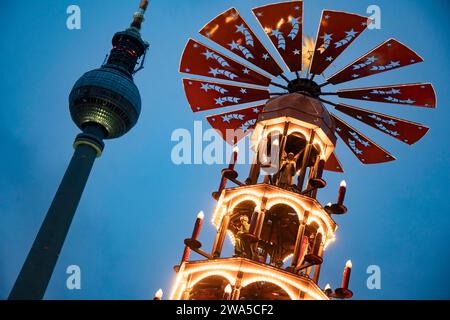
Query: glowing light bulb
[
  {"x": 228, "y": 289},
  {"x": 349, "y": 264},
  {"x": 280, "y": 23},
  {"x": 159, "y": 294}
]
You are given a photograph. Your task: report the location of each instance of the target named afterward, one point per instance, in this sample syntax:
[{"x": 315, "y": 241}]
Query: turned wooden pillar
[
  {"x": 187, "y": 292},
  {"x": 305, "y": 161},
  {"x": 299, "y": 239},
  {"x": 261, "y": 218},
  {"x": 254, "y": 170},
  {"x": 235, "y": 295},
  {"x": 283, "y": 140},
  {"x": 313, "y": 175},
  {"x": 260, "y": 223},
  {"x": 220, "y": 237},
  {"x": 317, "y": 269}
]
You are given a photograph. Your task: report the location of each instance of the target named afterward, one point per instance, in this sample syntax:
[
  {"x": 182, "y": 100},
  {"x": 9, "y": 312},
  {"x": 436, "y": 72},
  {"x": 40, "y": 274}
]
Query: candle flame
[
  {"x": 307, "y": 51},
  {"x": 329, "y": 204},
  {"x": 280, "y": 23},
  {"x": 201, "y": 215},
  {"x": 236, "y": 149},
  {"x": 213, "y": 30},
  {"x": 343, "y": 184},
  {"x": 233, "y": 17},
  {"x": 327, "y": 287},
  {"x": 159, "y": 294},
  {"x": 349, "y": 264},
  {"x": 228, "y": 289}
]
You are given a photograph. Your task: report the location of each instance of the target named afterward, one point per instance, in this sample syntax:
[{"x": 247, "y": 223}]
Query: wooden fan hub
[
  {"x": 307, "y": 110},
  {"x": 304, "y": 86}
]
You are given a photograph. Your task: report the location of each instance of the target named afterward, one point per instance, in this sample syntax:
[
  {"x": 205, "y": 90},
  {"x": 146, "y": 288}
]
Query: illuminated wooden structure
[
  {"x": 281, "y": 217},
  {"x": 273, "y": 217}
]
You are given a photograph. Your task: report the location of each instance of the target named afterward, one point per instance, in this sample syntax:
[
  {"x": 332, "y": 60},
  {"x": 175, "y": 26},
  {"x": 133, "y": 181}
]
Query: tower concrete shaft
[{"x": 37, "y": 270}]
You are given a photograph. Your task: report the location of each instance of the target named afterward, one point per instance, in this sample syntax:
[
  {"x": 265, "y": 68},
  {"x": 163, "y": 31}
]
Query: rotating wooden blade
[
  {"x": 234, "y": 125},
  {"x": 333, "y": 164},
  {"x": 231, "y": 32},
  {"x": 336, "y": 32},
  {"x": 390, "y": 55},
  {"x": 367, "y": 151},
  {"x": 282, "y": 23},
  {"x": 206, "y": 95},
  {"x": 403, "y": 130},
  {"x": 201, "y": 60},
  {"x": 420, "y": 94}
]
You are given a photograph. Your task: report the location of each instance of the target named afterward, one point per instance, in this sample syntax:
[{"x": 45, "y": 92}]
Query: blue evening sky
[{"x": 138, "y": 206}]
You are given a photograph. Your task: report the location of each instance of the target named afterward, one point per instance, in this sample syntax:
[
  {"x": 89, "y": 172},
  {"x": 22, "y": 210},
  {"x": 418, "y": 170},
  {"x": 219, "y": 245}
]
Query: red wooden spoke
[
  {"x": 403, "y": 130},
  {"x": 201, "y": 60},
  {"x": 235, "y": 125},
  {"x": 206, "y": 95},
  {"x": 336, "y": 32},
  {"x": 231, "y": 32},
  {"x": 420, "y": 94},
  {"x": 389, "y": 55},
  {"x": 333, "y": 164},
  {"x": 282, "y": 23},
  {"x": 367, "y": 151}
]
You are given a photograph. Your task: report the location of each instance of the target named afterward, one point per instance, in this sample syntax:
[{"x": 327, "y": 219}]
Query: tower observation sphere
[{"x": 108, "y": 96}]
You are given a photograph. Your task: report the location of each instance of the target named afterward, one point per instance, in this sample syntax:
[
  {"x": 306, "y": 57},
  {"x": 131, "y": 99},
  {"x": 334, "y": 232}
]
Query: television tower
[{"x": 105, "y": 104}]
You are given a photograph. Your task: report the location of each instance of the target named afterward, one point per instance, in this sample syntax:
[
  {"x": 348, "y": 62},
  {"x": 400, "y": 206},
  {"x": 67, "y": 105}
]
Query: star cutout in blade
[
  {"x": 205, "y": 87},
  {"x": 241, "y": 28},
  {"x": 213, "y": 71},
  {"x": 233, "y": 45},
  {"x": 276, "y": 32},
  {"x": 208, "y": 54},
  {"x": 326, "y": 37},
  {"x": 352, "y": 33}
]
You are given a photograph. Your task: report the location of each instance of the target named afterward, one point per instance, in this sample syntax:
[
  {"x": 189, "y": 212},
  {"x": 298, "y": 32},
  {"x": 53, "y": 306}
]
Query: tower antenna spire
[{"x": 139, "y": 16}]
